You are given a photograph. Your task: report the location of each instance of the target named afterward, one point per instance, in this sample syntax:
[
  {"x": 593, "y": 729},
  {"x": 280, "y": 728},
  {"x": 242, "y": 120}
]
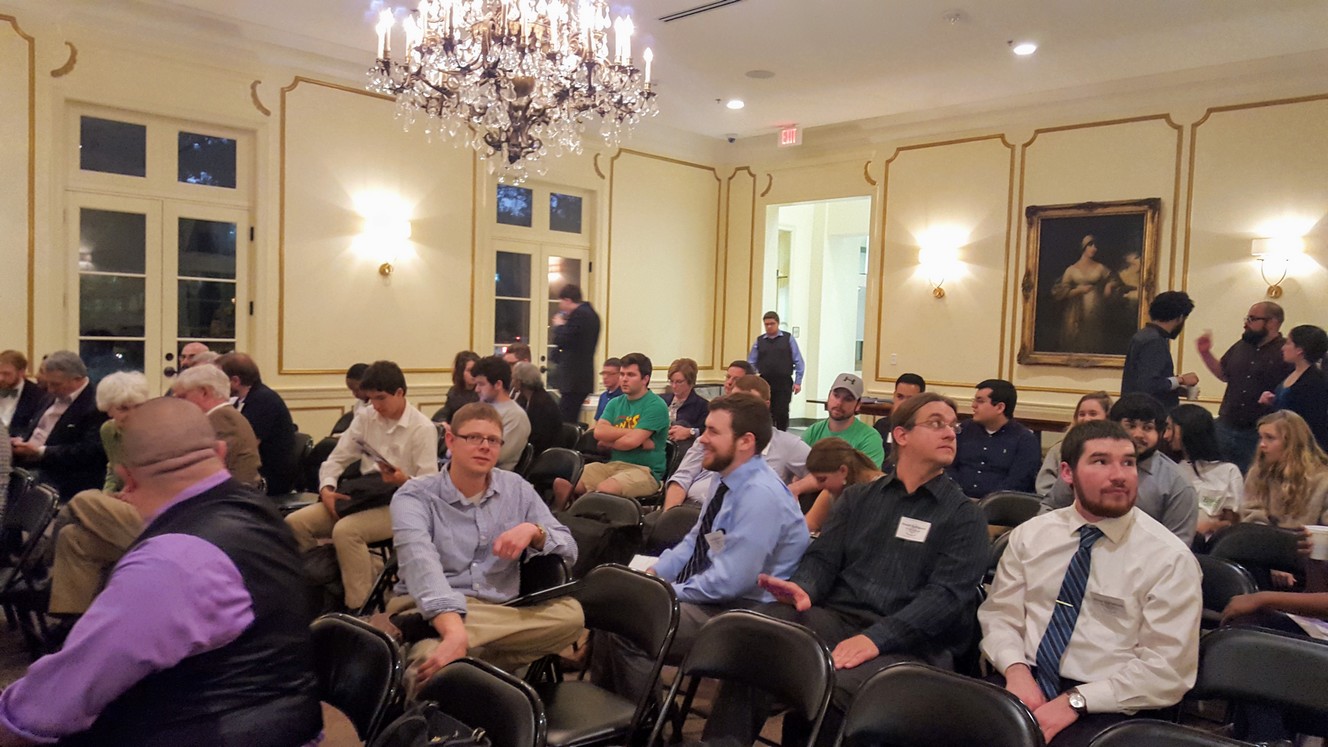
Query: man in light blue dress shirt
[{"x": 749, "y": 525}]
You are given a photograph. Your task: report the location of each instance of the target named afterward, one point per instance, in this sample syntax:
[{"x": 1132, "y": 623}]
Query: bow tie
[{"x": 7, "y": 393}]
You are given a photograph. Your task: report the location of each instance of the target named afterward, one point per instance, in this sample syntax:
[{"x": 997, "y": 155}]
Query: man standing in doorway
[
  {"x": 777, "y": 359},
  {"x": 575, "y": 333}
]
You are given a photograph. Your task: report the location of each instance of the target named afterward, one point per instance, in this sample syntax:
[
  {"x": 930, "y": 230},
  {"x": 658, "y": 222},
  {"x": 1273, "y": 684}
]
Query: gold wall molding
[
  {"x": 258, "y": 103},
  {"x": 1023, "y": 177},
  {"x": 751, "y": 246},
  {"x": 68, "y": 67},
  {"x": 769, "y": 184},
  {"x": 595, "y": 163},
  {"x": 866, "y": 173},
  {"x": 281, "y": 236},
  {"x": 32, "y": 179},
  {"x": 721, "y": 252},
  {"x": 885, "y": 206}
]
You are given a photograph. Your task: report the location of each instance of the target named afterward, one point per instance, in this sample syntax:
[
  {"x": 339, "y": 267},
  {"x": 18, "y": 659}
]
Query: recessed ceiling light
[
  {"x": 760, "y": 74},
  {"x": 735, "y": 104},
  {"x": 1023, "y": 49}
]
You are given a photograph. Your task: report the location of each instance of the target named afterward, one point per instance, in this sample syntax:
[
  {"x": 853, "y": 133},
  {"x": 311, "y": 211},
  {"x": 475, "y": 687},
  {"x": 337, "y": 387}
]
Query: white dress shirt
[
  {"x": 409, "y": 443},
  {"x": 8, "y": 405},
  {"x": 51, "y": 416},
  {"x": 1136, "y": 642}
]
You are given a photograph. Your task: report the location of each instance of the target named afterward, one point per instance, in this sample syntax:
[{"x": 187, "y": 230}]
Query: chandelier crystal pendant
[{"x": 517, "y": 80}]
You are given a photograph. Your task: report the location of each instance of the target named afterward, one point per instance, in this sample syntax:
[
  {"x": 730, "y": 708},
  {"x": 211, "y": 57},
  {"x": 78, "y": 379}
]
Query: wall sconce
[
  {"x": 938, "y": 255},
  {"x": 1275, "y": 256},
  {"x": 386, "y": 229}
]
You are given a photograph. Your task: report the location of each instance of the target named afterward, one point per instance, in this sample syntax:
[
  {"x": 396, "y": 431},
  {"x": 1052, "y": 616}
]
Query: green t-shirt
[
  {"x": 649, "y": 413},
  {"x": 859, "y": 435}
]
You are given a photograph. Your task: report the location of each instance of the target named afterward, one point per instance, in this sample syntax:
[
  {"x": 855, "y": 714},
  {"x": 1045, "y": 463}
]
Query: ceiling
[{"x": 837, "y": 60}]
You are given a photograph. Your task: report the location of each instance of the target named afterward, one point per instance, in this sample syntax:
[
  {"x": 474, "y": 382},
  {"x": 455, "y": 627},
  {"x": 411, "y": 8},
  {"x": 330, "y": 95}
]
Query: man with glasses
[
  {"x": 460, "y": 535},
  {"x": 893, "y": 577},
  {"x": 995, "y": 452},
  {"x": 1251, "y": 366}
]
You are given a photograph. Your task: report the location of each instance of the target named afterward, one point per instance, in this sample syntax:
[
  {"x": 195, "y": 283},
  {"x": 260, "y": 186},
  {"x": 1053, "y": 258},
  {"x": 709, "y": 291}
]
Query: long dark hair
[
  {"x": 459, "y": 368},
  {"x": 1198, "y": 434}
]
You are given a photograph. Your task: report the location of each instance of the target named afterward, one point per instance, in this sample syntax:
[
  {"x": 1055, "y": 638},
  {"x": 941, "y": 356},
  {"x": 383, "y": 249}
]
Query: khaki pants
[
  {"x": 92, "y": 532},
  {"x": 351, "y": 536},
  {"x": 634, "y": 481},
  {"x": 507, "y": 637}
]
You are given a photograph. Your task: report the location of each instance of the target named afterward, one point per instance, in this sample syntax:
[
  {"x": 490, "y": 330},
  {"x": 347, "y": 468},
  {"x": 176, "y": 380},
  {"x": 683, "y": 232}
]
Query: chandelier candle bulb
[
  {"x": 384, "y": 28},
  {"x": 648, "y": 56}
]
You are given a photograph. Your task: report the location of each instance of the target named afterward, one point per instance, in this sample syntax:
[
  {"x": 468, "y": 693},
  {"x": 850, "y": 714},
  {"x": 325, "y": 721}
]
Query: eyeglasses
[
  {"x": 1249, "y": 319},
  {"x": 475, "y": 439},
  {"x": 936, "y": 425}
]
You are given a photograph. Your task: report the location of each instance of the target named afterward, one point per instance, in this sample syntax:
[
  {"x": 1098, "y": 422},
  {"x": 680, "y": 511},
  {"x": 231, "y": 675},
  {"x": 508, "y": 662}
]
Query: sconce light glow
[
  {"x": 1024, "y": 49},
  {"x": 938, "y": 255},
  {"x": 386, "y": 228},
  {"x": 736, "y": 104}
]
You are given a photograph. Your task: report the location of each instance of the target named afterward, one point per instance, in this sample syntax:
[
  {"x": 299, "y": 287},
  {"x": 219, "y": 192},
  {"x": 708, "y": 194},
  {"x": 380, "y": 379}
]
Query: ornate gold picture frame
[{"x": 1092, "y": 271}]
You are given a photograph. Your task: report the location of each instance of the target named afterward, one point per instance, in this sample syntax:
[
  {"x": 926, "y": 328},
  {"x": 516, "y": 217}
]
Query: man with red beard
[{"x": 1094, "y": 613}]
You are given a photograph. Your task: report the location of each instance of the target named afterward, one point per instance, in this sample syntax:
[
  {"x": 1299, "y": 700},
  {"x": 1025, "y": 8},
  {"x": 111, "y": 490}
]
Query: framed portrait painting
[{"x": 1092, "y": 271}]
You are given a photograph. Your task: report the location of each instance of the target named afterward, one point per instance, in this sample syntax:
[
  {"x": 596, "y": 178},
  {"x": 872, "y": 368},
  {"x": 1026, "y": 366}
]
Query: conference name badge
[
  {"x": 716, "y": 541},
  {"x": 913, "y": 530}
]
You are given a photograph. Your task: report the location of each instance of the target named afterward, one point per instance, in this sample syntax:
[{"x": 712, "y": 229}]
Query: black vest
[
  {"x": 258, "y": 691},
  {"x": 774, "y": 358}
]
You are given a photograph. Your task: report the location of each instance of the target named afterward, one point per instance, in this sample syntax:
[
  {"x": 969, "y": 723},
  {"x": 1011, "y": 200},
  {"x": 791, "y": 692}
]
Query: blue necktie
[
  {"x": 1065, "y": 614},
  {"x": 700, "y": 559}
]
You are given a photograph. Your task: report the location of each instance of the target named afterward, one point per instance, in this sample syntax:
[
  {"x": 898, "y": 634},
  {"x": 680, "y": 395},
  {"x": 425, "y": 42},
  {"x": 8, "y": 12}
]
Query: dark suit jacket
[
  {"x": 1308, "y": 398},
  {"x": 1149, "y": 368},
  {"x": 576, "y": 341},
  {"x": 266, "y": 411},
  {"x": 74, "y": 459},
  {"x": 32, "y": 402}
]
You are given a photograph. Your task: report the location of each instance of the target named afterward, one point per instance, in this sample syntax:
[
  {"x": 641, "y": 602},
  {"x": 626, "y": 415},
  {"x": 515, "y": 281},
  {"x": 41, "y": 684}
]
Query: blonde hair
[{"x": 1302, "y": 459}]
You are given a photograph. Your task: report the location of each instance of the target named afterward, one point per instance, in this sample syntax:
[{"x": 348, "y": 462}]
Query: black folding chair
[
  {"x": 1222, "y": 580},
  {"x": 1260, "y": 549},
  {"x": 552, "y": 464},
  {"x": 1010, "y": 508},
  {"x": 908, "y": 704},
  {"x": 1257, "y": 666},
  {"x": 359, "y": 671},
  {"x": 1154, "y": 733},
  {"x": 673, "y": 525},
  {"x": 523, "y": 462},
  {"x": 483, "y": 696},
  {"x": 672, "y": 459},
  {"x": 780, "y": 658},
  {"x": 25, "y": 586},
  {"x": 998, "y": 546},
  {"x": 306, "y": 477}
]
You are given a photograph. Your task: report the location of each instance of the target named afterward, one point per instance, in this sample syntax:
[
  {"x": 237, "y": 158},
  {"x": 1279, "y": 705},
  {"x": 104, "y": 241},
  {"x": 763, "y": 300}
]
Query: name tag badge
[
  {"x": 913, "y": 530},
  {"x": 1108, "y": 605},
  {"x": 716, "y": 541},
  {"x": 1210, "y": 503}
]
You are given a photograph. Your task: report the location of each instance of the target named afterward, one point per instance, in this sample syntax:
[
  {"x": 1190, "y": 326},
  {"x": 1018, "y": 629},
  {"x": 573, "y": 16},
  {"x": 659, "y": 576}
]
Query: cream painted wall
[{"x": 15, "y": 225}]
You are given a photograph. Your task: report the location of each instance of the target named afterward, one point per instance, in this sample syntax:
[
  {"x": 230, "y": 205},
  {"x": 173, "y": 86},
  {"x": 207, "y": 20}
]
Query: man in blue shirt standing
[
  {"x": 995, "y": 452},
  {"x": 777, "y": 359},
  {"x": 750, "y": 526}
]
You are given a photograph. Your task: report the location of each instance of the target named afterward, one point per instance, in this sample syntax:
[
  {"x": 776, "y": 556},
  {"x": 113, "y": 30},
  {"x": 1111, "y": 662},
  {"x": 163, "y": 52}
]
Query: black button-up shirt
[{"x": 1251, "y": 370}]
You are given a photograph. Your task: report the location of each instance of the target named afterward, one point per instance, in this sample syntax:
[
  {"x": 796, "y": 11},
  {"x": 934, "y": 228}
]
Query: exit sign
[{"x": 790, "y": 136}]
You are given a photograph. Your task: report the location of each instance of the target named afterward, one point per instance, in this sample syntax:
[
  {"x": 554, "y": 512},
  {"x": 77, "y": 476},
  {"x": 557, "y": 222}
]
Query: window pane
[
  {"x": 565, "y": 213},
  {"x": 207, "y": 160},
  {"x": 111, "y": 242},
  {"x": 112, "y": 147},
  {"x": 512, "y": 276},
  {"x": 207, "y": 309},
  {"x": 515, "y": 205},
  {"x": 511, "y": 322},
  {"x": 207, "y": 249},
  {"x": 108, "y": 356},
  {"x": 563, "y": 270},
  {"x": 110, "y": 306}
]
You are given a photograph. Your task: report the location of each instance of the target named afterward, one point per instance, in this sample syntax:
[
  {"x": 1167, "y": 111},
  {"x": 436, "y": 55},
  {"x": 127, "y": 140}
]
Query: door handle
[
  {"x": 543, "y": 369},
  {"x": 168, "y": 371}
]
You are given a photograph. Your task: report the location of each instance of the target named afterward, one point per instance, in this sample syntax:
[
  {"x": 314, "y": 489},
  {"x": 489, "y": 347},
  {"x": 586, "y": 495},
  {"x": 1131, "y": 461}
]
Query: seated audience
[
  {"x": 391, "y": 444},
  {"x": 762, "y": 529},
  {"x": 1287, "y": 486},
  {"x": 1164, "y": 493},
  {"x": 462, "y": 392},
  {"x": 907, "y": 385},
  {"x": 1115, "y": 633},
  {"x": 271, "y": 420},
  {"x": 835, "y": 466},
  {"x": 546, "y": 417},
  {"x": 608, "y": 377},
  {"x": 995, "y": 451},
  {"x": 65, "y": 443},
  {"x": 517, "y": 352},
  {"x": 199, "y": 636},
  {"x": 736, "y": 370},
  {"x": 1305, "y": 389},
  {"x": 354, "y": 375},
  {"x": 1091, "y": 406},
  {"x": 189, "y": 354},
  {"x": 687, "y": 409},
  {"x": 892, "y": 578},
  {"x": 460, "y": 535},
  {"x": 21, "y": 400},
  {"x": 1191, "y": 438},
  {"x": 842, "y": 407},
  {"x": 207, "y": 357},
  {"x": 635, "y": 429},
  {"x": 6, "y": 460},
  {"x": 493, "y": 383},
  {"x": 207, "y": 388}
]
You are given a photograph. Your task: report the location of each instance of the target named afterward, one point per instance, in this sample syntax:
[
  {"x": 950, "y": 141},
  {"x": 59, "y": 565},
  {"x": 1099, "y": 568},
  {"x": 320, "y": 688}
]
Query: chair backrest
[
  {"x": 523, "y": 462},
  {"x": 1156, "y": 733},
  {"x": 1257, "y": 665},
  {"x": 540, "y": 572},
  {"x": 301, "y": 450},
  {"x": 1259, "y": 546},
  {"x": 342, "y": 423},
  {"x": 673, "y": 525},
  {"x": 613, "y": 508},
  {"x": 569, "y": 436},
  {"x": 483, "y": 696},
  {"x": 672, "y": 459},
  {"x": 998, "y": 546},
  {"x": 799, "y": 674},
  {"x": 551, "y": 464},
  {"x": 19, "y": 480},
  {"x": 359, "y": 670},
  {"x": 907, "y": 704},
  {"x": 1222, "y": 580},
  {"x": 27, "y": 516},
  {"x": 1010, "y": 508}
]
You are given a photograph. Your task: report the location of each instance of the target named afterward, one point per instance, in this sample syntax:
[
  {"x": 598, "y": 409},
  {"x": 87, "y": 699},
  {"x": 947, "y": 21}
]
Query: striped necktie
[
  {"x": 700, "y": 559},
  {"x": 1065, "y": 614}
]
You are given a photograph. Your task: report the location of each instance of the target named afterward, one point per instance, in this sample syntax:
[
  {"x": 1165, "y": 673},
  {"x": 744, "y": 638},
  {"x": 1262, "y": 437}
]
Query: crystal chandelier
[{"x": 517, "y": 80}]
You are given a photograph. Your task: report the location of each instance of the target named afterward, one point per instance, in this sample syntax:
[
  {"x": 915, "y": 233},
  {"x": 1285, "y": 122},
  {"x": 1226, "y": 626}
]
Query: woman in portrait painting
[{"x": 1081, "y": 290}]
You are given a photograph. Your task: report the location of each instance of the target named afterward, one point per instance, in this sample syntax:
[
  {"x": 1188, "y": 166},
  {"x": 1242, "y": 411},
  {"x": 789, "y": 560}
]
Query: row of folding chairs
[{"x": 30, "y": 507}]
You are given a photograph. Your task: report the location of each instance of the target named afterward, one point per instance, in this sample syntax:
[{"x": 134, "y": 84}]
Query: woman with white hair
[{"x": 117, "y": 395}]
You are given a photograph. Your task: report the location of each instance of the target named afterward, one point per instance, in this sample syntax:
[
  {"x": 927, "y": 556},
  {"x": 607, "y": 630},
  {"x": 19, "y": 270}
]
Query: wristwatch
[
  {"x": 695, "y": 432},
  {"x": 1077, "y": 701}
]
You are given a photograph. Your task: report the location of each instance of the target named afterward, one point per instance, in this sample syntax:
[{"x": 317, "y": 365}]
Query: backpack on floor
[{"x": 425, "y": 724}]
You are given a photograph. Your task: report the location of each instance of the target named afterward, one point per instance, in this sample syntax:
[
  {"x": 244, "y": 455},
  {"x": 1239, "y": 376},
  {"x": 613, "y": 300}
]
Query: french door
[{"x": 527, "y": 280}]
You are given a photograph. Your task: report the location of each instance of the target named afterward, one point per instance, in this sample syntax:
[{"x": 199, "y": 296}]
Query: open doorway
[{"x": 815, "y": 278}]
